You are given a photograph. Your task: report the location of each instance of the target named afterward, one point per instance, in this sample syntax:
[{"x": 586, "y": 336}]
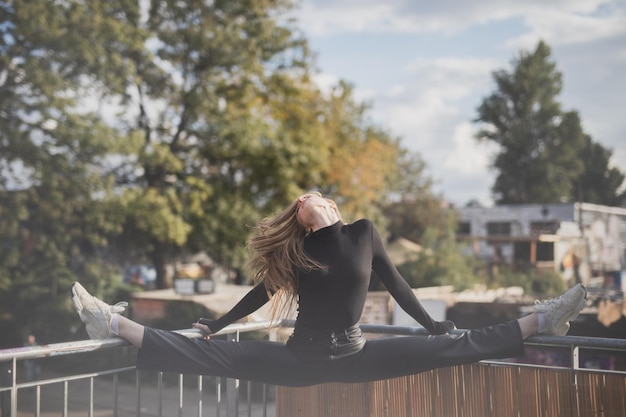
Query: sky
[{"x": 425, "y": 66}]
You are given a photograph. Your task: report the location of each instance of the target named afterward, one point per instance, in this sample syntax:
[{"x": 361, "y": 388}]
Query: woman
[{"x": 308, "y": 254}]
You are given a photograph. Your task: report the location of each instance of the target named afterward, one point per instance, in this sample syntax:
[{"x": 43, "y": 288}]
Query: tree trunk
[{"x": 159, "y": 261}]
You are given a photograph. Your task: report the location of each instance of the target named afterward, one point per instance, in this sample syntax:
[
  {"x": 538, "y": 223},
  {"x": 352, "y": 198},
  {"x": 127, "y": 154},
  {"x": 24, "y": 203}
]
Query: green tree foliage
[
  {"x": 415, "y": 213},
  {"x": 543, "y": 150},
  {"x": 540, "y": 283},
  {"x": 201, "y": 99},
  {"x": 599, "y": 183},
  {"x": 411, "y": 207},
  {"x": 232, "y": 126},
  {"x": 440, "y": 262},
  {"x": 537, "y": 161},
  {"x": 362, "y": 158},
  {"x": 149, "y": 130},
  {"x": 53, "y": 218}
]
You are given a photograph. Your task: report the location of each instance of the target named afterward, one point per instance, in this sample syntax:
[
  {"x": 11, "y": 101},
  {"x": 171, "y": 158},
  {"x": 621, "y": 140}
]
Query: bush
[
  {"x": 441, "y": 262},
  {"x": 538, "y": 283}
]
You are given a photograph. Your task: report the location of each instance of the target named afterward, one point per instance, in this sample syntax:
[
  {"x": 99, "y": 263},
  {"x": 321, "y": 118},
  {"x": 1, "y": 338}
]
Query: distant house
[{"x": 584, "y": 241}]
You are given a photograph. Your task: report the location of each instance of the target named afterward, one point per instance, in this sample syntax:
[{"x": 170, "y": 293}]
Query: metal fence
[{"x": 125, "y": 391}]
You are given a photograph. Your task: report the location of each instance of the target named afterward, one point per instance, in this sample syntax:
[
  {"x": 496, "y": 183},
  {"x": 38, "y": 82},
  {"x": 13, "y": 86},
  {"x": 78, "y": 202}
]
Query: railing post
[
  {"x": 66, "y": 397},
  {"x": 575, "y": 367},
  {"x": 181, "y": 393},
  {"x": 199, "y": 395},
  {"x": 90, "y": 413},
  {"x": 138, "y": 391},
  {"x": 232, "y": 386},
  {"x": 38, "y": 401},
  {"x": 14, "y": 388},
  {"x": 575, "y": 362},
  {"x": 160, "y": 393},
  {"x": 116, "y": 404}
]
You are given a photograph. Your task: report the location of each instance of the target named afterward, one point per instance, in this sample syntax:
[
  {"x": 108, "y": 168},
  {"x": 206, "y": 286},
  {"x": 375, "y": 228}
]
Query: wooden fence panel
[
  {"x": 601, "y": 394},
  {"x": 483, "y": 390}
]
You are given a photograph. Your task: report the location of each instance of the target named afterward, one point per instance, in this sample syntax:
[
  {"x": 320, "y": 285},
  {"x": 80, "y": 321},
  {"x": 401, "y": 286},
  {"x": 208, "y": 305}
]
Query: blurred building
[{"x": 585, "y": 242}]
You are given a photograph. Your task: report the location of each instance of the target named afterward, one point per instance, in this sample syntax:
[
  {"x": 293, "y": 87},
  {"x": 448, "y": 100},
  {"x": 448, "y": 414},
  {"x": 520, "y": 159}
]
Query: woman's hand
[
  {"x": 203, "y": 326},
  {"x": 443, "y": 327}
]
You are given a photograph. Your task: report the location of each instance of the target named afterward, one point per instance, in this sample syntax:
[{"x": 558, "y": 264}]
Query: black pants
[{"x": 276, "y": 363}]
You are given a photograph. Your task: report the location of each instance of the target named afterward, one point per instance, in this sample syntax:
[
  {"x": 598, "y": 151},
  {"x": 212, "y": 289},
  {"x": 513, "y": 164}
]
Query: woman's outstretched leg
[
  {"x": 393, "y": 357},
  {"x": 167, "y": 351},
  {"x": 102, "y": 320},
  {"x": 130, "y": 330}
]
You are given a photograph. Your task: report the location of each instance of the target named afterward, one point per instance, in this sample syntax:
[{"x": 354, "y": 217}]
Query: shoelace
[
  {"x": 559, "y": 297},
  {"x": 543, "y": 302},
  {"x": 119, "y": 307},
  {"x": 549, "y": 301}
]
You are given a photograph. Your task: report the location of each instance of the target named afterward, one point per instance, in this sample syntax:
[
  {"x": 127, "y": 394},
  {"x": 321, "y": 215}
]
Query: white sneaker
[
  {"x": 96, "y": 314},
  {"x": 561, "y": 310}
]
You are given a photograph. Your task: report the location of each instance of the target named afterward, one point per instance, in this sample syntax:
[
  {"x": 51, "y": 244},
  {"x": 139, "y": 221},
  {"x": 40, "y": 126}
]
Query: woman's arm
[
  {"x": 255, "y": 298},
  {"x": 400, "y": 289}
]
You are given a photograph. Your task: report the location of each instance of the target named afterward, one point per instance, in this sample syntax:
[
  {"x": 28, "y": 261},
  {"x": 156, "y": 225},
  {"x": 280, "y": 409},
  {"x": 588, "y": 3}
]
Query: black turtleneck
[{"x": 333, "y": 297}]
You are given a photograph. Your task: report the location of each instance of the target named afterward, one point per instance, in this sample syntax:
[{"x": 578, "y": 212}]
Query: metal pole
[
  {"x": 138, "y": 391},
  {"x": 181, "y": 400},
  {"x": 14, "y": 388},
  {"x": 91, "y": 397},
  {"x": 115, "y": 395},
  {"x": 160, "y": 390},
  {"x": 199, "y": 395},
  {"x": 232, "y": 386}
]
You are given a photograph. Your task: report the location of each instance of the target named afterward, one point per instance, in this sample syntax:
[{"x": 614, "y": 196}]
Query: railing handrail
[
  {"x": 544, "y": 340},
  {"x": 80, "y": 346},
  {"x": 66, "y": 348}
]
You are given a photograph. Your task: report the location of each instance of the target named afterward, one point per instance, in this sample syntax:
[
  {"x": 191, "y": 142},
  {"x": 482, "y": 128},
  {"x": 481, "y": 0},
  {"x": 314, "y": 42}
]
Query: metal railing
[
  {"x": 225, "y": 397},
  {"x": 183, "y": 400}
]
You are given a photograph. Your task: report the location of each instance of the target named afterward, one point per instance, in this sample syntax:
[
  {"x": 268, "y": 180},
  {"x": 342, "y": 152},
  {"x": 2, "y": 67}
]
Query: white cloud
[
  {"x": 426, "y": 111},
  {"x": 467, "y": 156},
  {"x": 326, "y": 18},
  {"x": 557, "y": 27},
  {"x": 466, "y": 167}
]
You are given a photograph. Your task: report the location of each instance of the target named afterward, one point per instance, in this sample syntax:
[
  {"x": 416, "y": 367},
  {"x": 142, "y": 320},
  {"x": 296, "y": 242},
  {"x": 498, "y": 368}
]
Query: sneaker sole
[
  {"x": 575, "y": 313},
  {"x": 75, "y": 300},
  {"x": 579, "y": 307},
  {"x": 93, "y": 332}
]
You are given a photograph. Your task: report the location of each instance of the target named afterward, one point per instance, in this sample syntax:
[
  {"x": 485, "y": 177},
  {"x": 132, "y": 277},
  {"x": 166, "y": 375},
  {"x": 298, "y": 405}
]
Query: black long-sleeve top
[{"x": 333, "y": 297}]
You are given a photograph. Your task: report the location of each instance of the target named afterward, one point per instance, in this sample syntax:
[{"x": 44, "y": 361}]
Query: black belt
[{"x": 326, "y": 344}]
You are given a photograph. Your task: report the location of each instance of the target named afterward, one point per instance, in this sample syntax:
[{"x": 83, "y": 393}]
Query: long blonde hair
[{"x": 278, "y": 255}]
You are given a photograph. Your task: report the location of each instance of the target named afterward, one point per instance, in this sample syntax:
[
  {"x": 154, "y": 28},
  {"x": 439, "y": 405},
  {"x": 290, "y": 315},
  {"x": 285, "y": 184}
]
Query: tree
[
  {"x": 361, "y": 158},
  {"x": 200, "y": 99},
  {"x": 232, "y": 126},
  {"x": 539, "y": 144},
  {"x": 411, "y": 207},
  {"x": 415, "y": 213},
  {"x": 599, "y": 183},
  {"x": 207, "y": 119},
  {"x": 440, "y": 262},
  {"x": 54, "y": 218}
]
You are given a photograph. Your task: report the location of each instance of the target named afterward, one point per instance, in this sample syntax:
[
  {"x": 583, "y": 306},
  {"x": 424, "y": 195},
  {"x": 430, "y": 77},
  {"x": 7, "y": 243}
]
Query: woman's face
[{"x": 313, "y": 208}]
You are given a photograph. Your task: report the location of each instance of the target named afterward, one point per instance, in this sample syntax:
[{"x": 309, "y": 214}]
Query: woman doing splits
[{"x": 308, "y": 254}]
